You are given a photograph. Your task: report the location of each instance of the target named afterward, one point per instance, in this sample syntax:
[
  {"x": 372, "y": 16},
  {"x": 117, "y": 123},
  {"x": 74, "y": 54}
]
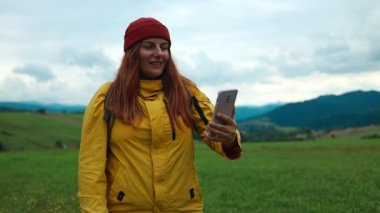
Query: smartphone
[{"x": 225, "y": 103}]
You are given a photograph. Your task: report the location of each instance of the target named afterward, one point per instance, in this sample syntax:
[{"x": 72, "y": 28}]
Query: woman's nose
[{"x": 158, "y": 51}]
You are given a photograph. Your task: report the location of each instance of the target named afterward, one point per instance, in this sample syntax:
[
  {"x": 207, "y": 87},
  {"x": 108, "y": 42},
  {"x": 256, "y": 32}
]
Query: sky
[{"x": 272, "y": 51}]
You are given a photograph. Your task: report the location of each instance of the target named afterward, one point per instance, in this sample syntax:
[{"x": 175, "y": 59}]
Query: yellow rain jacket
[{"x": 146, "y": 171}]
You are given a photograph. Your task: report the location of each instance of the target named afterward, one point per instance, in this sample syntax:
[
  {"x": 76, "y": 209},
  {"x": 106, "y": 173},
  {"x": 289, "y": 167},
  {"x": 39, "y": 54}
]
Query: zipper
[{"x": 171, "y": 124}]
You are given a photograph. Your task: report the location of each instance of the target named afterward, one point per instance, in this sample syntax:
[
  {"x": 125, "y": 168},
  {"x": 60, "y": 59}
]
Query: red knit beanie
[{"x": 143, "y": 28}]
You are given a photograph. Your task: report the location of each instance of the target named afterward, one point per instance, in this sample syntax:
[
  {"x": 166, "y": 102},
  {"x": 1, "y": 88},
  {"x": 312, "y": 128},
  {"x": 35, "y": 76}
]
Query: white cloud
[
  {"x": 85, "y": 58},
  {"x": 40, "y": 73},
  {"x": 299, "y": 88},
  {"x": 271, "y": 50}
]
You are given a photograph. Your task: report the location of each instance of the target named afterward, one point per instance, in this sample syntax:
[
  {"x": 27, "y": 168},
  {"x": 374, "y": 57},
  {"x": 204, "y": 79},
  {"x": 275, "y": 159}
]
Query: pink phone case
[{"x": 225, "y": 103}]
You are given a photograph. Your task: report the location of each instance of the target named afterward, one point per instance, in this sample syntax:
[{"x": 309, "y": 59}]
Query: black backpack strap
[
  {"x": 108, "y": 117},
  {"x": 195, "y": 102}
]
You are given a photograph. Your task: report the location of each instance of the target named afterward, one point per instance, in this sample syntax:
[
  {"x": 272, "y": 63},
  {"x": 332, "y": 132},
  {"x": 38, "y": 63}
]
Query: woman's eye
[
  {"x": 165, "y": 47},
  {"x": 150, "y": 46},
  {"x": 147, "y": 46}
]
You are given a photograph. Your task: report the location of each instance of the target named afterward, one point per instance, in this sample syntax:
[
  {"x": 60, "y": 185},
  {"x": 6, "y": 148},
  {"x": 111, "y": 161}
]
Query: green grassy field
[
  {"x": 31, "y": 131},
  {"x": 268, "y": 178},
  {"x": 328, "y": 175},
  {"x": 294, "y": 177},
  {"x": 38, "y": 181}
]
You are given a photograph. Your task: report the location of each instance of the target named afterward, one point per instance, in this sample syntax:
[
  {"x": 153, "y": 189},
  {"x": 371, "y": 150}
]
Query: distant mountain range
[
  {"x": 34, "y": 106},
  {"x": 242, "y": 112},
  {"x": 353, "y": 109},
  {"x": 246, "y": 112}
]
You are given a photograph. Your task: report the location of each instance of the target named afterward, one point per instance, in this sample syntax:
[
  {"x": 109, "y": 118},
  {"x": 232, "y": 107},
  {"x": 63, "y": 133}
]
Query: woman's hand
[{"x": 226, "y": 132}]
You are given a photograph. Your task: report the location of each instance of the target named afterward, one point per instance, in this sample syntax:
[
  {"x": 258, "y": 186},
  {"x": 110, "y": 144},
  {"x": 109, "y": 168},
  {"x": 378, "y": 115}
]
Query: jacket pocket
[
  {"x": 113, "y": 181},
  {"x": 195, "y": 192},
  {"x": 186, "y": 188}
]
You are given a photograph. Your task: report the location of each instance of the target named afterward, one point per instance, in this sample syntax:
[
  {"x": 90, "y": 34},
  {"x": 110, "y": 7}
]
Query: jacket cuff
[{"x": 233, "y": 151}]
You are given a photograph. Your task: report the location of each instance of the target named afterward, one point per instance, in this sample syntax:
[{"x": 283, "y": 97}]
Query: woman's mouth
[{"x": 156, "y": 62}]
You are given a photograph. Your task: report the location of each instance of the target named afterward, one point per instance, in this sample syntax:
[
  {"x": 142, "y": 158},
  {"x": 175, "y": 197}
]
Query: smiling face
[{"x": 154, "y": 54}]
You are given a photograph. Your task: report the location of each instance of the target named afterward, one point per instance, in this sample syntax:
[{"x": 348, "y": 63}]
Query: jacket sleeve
[
  {"x": 207, "y": 109},
  {"x": 92, "y": 183}
]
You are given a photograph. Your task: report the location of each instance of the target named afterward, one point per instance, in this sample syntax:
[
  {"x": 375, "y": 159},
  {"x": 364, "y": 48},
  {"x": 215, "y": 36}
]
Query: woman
[{"x": 147, "y": 165}]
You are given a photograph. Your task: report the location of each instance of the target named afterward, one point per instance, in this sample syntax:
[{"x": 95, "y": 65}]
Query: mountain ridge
[
  {"x": 242, "y": 112},
  {"x": 351, "y": 109},
  {"x": 34, "y": 106}
]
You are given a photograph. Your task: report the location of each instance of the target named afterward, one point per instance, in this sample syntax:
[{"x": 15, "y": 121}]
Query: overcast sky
[{"x": 271, "y": 50}]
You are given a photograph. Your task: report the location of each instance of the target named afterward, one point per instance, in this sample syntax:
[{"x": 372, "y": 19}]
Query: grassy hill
[{"x": 32, "y": 131}]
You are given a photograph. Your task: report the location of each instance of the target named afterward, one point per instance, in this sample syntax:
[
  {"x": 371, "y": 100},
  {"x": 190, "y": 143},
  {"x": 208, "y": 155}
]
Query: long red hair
[{"x": 123, "y": 93}]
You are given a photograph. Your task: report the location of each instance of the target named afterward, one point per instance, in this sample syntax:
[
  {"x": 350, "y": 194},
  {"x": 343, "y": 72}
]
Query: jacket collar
[{"x": 149, "y": 89}]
